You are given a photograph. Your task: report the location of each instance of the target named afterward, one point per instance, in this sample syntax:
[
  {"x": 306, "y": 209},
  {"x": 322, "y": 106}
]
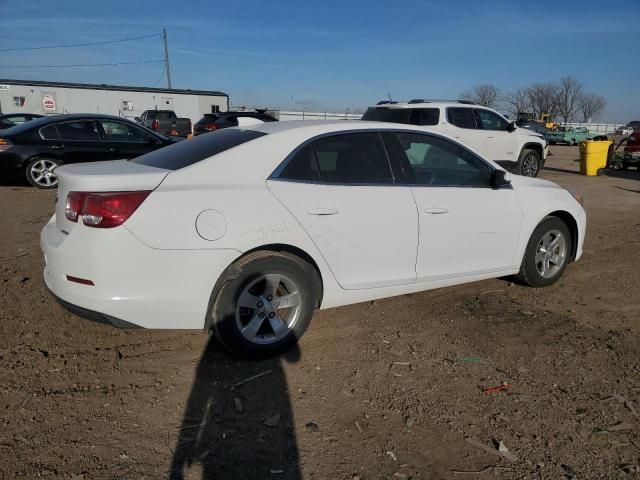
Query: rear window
[
  {"x": 161, "y": 115},
  {"x": 188, "y": 152},
  {"x": 393, "y": 115},
  {"x": 208, "y": 118}
]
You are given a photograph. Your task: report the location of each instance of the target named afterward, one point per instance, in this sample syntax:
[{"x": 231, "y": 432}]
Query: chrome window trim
[{"x": 275, "y": 175}]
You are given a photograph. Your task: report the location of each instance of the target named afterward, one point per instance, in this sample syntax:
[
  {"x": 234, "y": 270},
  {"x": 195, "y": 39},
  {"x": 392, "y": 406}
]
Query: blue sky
[{"x": 335, "y": 54}]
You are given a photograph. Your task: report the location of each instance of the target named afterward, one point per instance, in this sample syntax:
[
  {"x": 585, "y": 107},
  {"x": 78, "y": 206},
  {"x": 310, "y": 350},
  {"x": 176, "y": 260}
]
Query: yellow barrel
[{"x": 593, "y": 156}]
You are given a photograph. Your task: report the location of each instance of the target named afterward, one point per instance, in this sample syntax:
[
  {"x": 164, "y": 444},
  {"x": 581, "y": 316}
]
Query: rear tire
[
  {"x": 529, "y": 163},
  {"x": 40, "y": 172},
  {"x": 547, "y": 253},
  {"x": 248, "y": 312}
]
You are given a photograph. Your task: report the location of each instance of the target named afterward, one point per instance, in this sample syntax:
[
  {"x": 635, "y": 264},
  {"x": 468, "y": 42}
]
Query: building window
[
  {"x": 18, "y": 101},
  {"x": 127, "y": 105},
  {"x": 215, "y": 108}
]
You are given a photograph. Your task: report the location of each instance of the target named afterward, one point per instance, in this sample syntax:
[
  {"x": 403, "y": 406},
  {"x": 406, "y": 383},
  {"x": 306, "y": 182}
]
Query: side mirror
[
  {"x": 511, "y": 127},
  {"x": 137, "y": 119},
  {"x": 500, "y": 178}
]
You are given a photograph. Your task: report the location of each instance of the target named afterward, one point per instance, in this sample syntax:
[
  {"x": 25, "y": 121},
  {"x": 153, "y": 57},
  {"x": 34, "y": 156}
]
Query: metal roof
[{"x": 90, "y": 86}]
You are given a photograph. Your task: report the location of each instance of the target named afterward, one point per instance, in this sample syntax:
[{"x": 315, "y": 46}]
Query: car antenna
[{"x": 389, "y": 95}]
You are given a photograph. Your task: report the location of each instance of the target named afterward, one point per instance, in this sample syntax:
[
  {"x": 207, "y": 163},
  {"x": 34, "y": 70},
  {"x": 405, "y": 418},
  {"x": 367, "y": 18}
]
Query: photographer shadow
[{"x": 235, "y": 430}]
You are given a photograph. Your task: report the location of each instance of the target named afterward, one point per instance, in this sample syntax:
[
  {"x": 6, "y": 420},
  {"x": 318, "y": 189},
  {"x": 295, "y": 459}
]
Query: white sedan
[{"x": 245, "y": 231}]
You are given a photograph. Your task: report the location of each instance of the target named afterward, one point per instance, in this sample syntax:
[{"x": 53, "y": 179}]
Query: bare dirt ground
[{"x": 392, "y": 389}]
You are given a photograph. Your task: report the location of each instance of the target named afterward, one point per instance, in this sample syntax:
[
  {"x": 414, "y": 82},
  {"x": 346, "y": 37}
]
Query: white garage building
[{"x": 45, "y": 98}]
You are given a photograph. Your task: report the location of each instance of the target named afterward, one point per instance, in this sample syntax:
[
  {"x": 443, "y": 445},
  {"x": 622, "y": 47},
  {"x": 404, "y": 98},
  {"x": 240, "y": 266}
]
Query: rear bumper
[
  {"x": 92, "y": 315},
  {"x": 133, "y": 285}
]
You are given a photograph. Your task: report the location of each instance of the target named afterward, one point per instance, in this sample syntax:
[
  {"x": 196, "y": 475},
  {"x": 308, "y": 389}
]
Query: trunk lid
[{"x": 110, "y": 176}]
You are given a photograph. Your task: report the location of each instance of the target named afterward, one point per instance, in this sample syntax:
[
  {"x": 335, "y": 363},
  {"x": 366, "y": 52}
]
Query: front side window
[
  {"x": 353, "y": 158},
  {"x": 488, "y": 120},
  {"x": 121, "y": 132},
  {"x": 83, "y": 130},
  {"x": 441, "y": 163},
  {"x": 461, "y": 117}
]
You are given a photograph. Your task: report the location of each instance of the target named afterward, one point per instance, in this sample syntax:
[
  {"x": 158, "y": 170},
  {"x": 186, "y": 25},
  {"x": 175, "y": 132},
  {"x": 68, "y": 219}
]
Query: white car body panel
[
  {"x": 368, "y": 235},
  {"x": 466, "y": 231},
  {"x": 158, "y": 269}
]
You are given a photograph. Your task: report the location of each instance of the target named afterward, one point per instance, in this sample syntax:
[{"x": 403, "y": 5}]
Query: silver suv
[{"x": 481, "y": 129}]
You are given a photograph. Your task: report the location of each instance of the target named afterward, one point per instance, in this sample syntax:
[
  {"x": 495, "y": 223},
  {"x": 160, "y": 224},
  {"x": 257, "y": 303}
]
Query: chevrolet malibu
[{"x": 246, "y": 231}]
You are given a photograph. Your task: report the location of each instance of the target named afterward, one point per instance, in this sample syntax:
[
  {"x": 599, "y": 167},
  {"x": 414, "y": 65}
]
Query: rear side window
[
  {"x": 427, "y": 116},
  {"x": 49, "y": 133},
  {"x": 354, "y": 158},
  {"x": 461, "y": 117},
  {"x": 302, "y": 167},
  {"x": 81, "y": 131},
  {"x": 393, "y": 115},
  {"x": 188, "y": 152}
]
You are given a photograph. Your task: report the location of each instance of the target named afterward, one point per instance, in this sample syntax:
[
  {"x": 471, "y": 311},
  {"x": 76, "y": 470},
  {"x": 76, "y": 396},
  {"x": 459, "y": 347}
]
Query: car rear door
[
  {"x": 500, "y": 143},
  {"x": 466, "y": 227},
  {"x": 341, "y": 190},
  {"x": 77, "y": 141},
  {"x": 125, "y": 140}
]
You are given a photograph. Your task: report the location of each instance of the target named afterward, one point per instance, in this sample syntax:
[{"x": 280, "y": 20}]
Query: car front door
[
  {"x": 77, "y": 141},
  {"x": 125, "y": 140},
  {"x": 341, "y": 190},
  {"x": 462, "y": 125},
  {"x": 466, "y": 227},
  {"x": 500, "y": 143}
]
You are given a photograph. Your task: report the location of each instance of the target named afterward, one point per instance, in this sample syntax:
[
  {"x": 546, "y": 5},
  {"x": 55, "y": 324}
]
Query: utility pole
[{"x": 166, "y": 57}]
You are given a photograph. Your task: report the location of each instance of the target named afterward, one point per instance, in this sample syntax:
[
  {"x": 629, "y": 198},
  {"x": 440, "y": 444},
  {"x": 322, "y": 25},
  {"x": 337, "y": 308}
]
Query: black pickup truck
[{"x": 165, "y": 122}]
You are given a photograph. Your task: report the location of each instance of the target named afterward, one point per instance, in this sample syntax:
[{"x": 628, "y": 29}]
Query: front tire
[
  {"x": 547, "y": 253},
  {"x": 265, "y": 304},
  {"x": 40, "y": 172},
  {"x": 529, "y": 163}
]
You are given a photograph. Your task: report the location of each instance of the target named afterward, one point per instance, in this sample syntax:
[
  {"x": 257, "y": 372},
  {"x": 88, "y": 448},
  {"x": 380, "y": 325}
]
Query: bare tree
[
  {"x": 543, "y": 98},
  {"x": 486, "y": 95},
  {"x": 517, "y": 102},
  {"x": 569, "y": 95},
  {"x": 591, "y": 104}
]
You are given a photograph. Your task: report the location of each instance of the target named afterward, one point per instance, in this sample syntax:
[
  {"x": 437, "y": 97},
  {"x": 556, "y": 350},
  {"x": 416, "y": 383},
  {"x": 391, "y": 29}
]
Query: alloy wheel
[
  {"x": 551, "y": 253},
  {"x": 42, "y": 173},
  {"x": 530, "y": 165},
  {"x": 268, "y": 308}
]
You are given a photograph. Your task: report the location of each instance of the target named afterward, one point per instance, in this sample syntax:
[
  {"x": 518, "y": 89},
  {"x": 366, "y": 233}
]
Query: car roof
[
  {"x": 318, "y": 127},
  {"x": 44, "y": 121},
  {"x": 422, "y": 103}
]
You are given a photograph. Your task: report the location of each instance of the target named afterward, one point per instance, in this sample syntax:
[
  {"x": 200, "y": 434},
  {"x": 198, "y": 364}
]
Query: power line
[
  {"x": 80, "y": 44},
  {"x": 81, "y": 64},
  {"x": 164, "y": 68}
]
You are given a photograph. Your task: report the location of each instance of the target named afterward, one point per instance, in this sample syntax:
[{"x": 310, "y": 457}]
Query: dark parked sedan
[
  {"x": 36, "y": 148},
  {"x": 12, "y": 119}
]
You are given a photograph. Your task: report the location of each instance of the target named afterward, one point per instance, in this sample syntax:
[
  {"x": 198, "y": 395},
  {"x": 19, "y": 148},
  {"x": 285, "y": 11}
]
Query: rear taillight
[
  {"x": 4, "y": 144},
  {"x": 103, "y": 209},
  {"x": 155, "y": 125},
  {"x": 210, "y": 127}
]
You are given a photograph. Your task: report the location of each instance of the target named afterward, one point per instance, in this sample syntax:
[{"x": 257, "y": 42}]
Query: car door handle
[
  {"x": 114, "y": 149},
  {"x": 56, "y": 145},
  {"x": 489, "y": 137},
  {"x": 322, "y": 211},
  {"x": 435, "y": 210}
]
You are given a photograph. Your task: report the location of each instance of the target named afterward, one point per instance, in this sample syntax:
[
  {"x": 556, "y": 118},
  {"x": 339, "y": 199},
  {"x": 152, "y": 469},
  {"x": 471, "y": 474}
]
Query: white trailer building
[{"x": 47, "y": 98}]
